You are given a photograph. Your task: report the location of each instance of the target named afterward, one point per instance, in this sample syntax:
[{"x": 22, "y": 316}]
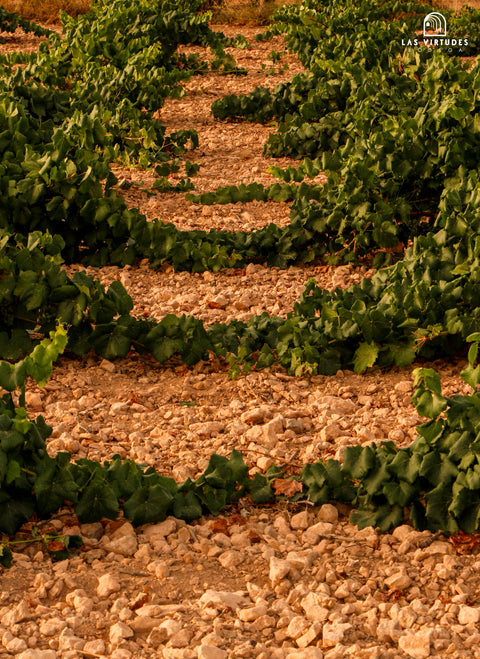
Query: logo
[
  {"x": 435, "y": 36},
  {"x": 434, "y": 25}
]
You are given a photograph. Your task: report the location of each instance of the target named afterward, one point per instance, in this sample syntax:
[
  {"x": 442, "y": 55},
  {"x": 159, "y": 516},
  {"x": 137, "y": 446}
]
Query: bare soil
[{"x": 287, "y": 580}]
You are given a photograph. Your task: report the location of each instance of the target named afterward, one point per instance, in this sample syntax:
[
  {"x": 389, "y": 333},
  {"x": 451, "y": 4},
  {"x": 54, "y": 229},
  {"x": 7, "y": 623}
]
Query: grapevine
[{"x": 397, "y": 134}]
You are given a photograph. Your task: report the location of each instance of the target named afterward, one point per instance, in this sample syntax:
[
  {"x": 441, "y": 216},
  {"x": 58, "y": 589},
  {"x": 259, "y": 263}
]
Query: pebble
[
  {"x": 333, "y": 633},
  {"x": 279, "y": 568},
  {"x": 307, "y": 653},
  {"x": 52, "y": 626},
  {"x": 416, "y": 645},
  {"x": 299, "y": 521},
  {"x": 222, "y": 599},
  {"x": 38, "y": 654},
  {"x": 107, "y": 584},
  {"x": 327, "y": 513},
  {"x": 211, "y": 652},
  {"x": 298, "y": 626},
  {"x": 398, "y": 581},
  {"x": 119, "y": 632},
  {"x": 468, "y": 615}
]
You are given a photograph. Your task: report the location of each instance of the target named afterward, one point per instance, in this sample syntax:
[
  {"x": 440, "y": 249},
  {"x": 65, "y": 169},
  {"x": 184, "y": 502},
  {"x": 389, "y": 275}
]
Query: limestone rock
[
  {"x": 416, "y": 645},
  {"x": 52, "y": 626},
  {"x": 211, "y": 652},
  {"x": 333, "y": 633},
  {"x": 38, "y": 654},
  {"x": 107, "y": 584},
  {"x": 119, "y": 632},
  {"x": 468, "y": 615},
  {"x": 300, "y": 520},
  {"x": 222, "y": 599},
  {"x": 398, "y": 580},
  {"x": 279, "y": 568},
  {"x": 298, "y": 626}
]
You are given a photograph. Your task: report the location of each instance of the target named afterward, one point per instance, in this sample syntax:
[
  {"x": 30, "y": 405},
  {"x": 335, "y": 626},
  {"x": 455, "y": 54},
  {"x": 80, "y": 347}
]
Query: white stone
[
  {"x": 252, "y": 613},
  {"x": 171, "y": 626},
  {"x": 331, "y": 431},
  {"x": 68, "y": 641},
  {"x": 416, "y": 645},
  {"x": 279, "y": 568},
  {"x": 107, "y": 366},
  {"x": 19, "y": 613},
  {"x": 328, "y": 513},
  {"x": 178, "y": 653},
  {"x": 96, "y": 646},
  {"x": 52, "y": 626},
  {"x": 468, "y": 615},
  {"x": 119, "y": 632},
  {"x": 159, "y": 610},
  {"x": 34, "y": 400},
  {"x": 159, "y": 568},
  {"x": 124, "y": 531},
  {"x": 272, "y": 429},
  {"x": 314, "y": 611},
  {"x": 107, "y": 584},
  {"x": 208, "y": 428},
  {"x": 334, "y": 633},
  {"x": 126, "y": 545},
  {"x": 161, "y": 529},
  {"x": 157, "y": 636},
  {"x": 437, "y": 547},
  {"x": 256, "y": 416},
  {"x": 145, "y": 624},
  {"x": 38, "y": 654},
  {"x": 230, "y": 559},
  {"x": 298, "y": 626},
  {"x": 401, "y": 532},
  {"x": 118, "y": 407},
  {"x": 121, "y": 653},
  {"x": 336, "y": 405},
  {"x": 211, "y": 652},
  {"x": 406, "y": 617},
  {"x": 222, "y": 599},
  {"x": 305, "y": 653},
  {"x": 181, "y": 639},
  {"x": 300, "y": 520},
  {"x": 310, "y": 635},
  {"x": 83, "y": 605},
  {"x": 398, "y": 581},
  {"x": 388, "y": 630},
  {"x": 16, "y": 645},
  {"x": 404, "y": 387}
]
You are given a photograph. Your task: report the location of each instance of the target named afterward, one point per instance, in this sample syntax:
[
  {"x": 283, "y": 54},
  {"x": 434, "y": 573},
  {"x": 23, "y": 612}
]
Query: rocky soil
[{"x": 284, "y": 581}]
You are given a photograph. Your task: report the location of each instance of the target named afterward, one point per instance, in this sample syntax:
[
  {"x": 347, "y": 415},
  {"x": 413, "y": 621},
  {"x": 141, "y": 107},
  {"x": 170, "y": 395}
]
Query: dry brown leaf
[
  {"x": 219, "y": 526},
  {"x": 288, "y": 488},
  {"x": 56, "y": 545}
]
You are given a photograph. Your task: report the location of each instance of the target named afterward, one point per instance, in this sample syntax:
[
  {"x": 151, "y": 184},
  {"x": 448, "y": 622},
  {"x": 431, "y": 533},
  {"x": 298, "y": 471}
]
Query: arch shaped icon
[{"x": 434, "y": 25}]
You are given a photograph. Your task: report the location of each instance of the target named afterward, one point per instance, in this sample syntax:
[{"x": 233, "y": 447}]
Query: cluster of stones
[{"x": 306, "y": 585}]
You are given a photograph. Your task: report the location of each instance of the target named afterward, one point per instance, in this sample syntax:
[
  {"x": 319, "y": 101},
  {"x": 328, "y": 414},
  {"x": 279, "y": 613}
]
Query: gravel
[{"x": 288, "y": 580}]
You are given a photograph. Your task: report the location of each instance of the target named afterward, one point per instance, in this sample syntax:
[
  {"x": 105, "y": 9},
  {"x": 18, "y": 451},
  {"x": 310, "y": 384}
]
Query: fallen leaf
[
  {"x": 465, "y": 542},
  {"x": 288, "y": 488},
  {"x": 134, "y": 399},
  {"x": 237, "y": 519},
  {"x": 254, "y": 537},
  {"x": 56, "y": 545},
  {"x": 219, "y": 526},
  {"x": 138, "y": 601}
]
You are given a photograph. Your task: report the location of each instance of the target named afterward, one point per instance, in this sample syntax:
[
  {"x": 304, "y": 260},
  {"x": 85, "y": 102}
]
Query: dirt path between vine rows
[{"x": 288, "y": 580}]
